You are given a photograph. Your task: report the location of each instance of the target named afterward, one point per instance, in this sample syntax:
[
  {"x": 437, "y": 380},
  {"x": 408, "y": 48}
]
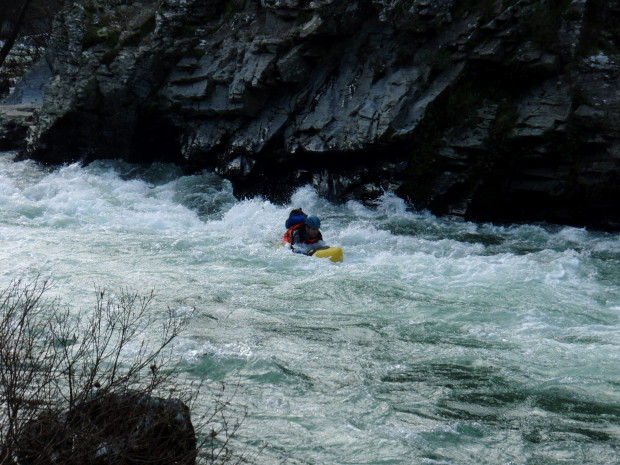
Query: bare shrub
[{"x": 86, "y": 388}]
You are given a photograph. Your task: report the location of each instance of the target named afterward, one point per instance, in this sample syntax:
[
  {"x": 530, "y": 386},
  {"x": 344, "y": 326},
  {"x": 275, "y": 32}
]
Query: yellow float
[{"x": 333, "y": 253}]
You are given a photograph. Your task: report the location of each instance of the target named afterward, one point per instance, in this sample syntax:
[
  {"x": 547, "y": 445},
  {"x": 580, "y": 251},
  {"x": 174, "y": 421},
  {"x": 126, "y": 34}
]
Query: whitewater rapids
[{"x": 434, "y": 342}]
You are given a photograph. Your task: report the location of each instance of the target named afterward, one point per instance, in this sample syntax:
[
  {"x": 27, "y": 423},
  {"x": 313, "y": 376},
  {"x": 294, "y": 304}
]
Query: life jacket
[
  {"x": 311, "y": 241},
  {"x": 288, "y": 235},
  {"x": 292, "y": 224},
  {"x": 300, "y": 230}
]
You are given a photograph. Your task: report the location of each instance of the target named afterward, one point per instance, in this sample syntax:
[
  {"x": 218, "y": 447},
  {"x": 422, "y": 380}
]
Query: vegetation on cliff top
[{"x": 28, "y": 22}]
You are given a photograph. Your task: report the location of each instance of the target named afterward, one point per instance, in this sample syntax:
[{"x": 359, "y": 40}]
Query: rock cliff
[{"x": 486, "y": 110}]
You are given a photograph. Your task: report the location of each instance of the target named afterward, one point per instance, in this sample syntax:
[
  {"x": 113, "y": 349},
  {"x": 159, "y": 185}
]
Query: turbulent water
[{"x": 434, "y": 342}]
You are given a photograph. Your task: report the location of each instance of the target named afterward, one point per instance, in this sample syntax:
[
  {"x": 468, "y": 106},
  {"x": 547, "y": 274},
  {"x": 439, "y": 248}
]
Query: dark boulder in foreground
[
  {"x": 500, "y": 111},
  {"x": 112, "y": 430}
]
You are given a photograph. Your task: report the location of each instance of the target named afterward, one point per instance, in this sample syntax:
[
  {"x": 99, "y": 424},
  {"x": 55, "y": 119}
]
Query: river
[{"x": 434, "y": 342}]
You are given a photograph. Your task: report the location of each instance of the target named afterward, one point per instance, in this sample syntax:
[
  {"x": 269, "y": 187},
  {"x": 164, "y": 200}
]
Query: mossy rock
[{"x": 135, "y": 37}]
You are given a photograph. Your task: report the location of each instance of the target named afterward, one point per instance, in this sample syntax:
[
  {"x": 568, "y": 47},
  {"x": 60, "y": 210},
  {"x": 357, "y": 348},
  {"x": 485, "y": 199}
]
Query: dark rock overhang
[{"x": 482, "y": 110}]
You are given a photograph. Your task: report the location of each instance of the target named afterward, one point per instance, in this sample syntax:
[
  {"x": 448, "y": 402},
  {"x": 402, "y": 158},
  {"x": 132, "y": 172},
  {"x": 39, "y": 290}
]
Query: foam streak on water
[{"x": 433, "y": 343}]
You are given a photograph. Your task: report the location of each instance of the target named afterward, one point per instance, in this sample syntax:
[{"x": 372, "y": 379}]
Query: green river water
[{"x": 434, "y": 342}]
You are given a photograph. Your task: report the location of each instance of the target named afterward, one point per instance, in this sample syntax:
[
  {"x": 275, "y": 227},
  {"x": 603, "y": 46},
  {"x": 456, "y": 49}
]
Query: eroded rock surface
[{"x": 483, "y": 110}]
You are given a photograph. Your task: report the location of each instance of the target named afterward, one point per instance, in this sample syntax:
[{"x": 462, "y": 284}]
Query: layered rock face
[
  {"x": 484, "y": 110},
  {"x": 15, "y": 120}
]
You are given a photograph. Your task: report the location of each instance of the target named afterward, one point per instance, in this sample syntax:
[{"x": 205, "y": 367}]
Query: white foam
[
  {"x": 217, "y": 351},
  {"x": 476, "y": 292},
  {"x": 76, "y": 196}
]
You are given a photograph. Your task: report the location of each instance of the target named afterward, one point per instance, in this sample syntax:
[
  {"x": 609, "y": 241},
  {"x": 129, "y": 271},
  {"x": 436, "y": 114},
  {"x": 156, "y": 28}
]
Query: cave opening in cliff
[{"x": 156, "y": 139}]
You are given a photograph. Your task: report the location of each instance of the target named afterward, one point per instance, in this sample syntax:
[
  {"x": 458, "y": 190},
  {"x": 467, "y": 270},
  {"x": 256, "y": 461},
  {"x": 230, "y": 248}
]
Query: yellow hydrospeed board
[{"x": 333, "y": 253}]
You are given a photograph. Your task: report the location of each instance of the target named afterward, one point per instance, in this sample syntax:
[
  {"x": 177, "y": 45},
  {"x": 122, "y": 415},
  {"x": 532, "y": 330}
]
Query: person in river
[
  {"x": 296, "y": 216},
  {"x": 303, "y": 233}
]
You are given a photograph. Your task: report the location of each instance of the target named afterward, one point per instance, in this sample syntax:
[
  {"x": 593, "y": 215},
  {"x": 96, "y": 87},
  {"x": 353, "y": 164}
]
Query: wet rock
[
  {"x": 294, "y": 67},
  {"x": 112, "y": 429},
  {"x": 419, "y": 16},
  {"x": 18, "y": 110},
  {"x": 492, "y": 112},
  {"x": 545, "y": 108},
  {"x": 15, "y": 121}
]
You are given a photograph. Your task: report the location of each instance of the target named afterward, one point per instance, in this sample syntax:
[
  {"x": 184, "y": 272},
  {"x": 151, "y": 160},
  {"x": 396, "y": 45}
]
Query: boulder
[
  {"x": 113, "y": 429},
  {"x": 15, "y": 120}
]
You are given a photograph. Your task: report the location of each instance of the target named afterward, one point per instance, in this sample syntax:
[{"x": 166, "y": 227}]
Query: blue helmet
[{"x": 313, "y": 222}]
